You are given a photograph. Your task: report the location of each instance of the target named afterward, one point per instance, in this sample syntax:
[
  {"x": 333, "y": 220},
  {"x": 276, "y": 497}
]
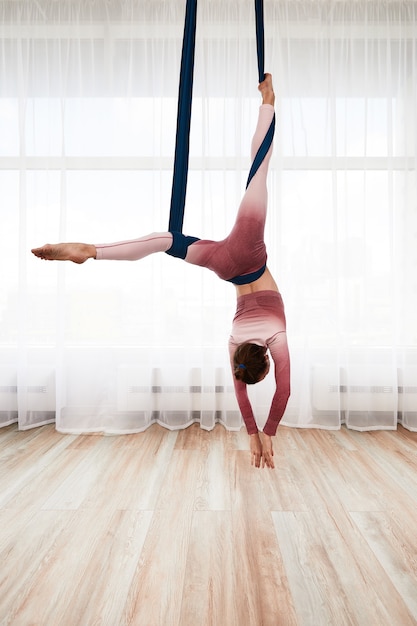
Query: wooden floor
[{"x": 177, "y": 529}]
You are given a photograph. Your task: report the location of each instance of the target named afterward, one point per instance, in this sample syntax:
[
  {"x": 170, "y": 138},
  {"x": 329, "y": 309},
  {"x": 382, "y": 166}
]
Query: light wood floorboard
[{"x": 177, "y": 529}]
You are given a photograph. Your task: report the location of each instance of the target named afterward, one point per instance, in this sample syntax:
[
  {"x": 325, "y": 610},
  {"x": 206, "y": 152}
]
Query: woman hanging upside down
[{"x": 259, "y": 323}]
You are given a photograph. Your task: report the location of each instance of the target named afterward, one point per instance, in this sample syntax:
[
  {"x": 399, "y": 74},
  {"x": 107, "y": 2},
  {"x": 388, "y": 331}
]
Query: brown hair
[{"x": 249, "y": 362}]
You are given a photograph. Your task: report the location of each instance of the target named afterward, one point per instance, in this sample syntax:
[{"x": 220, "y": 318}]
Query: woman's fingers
[
  {"x": 261, "y": 451},
  {"x": 256, "y": 459}
]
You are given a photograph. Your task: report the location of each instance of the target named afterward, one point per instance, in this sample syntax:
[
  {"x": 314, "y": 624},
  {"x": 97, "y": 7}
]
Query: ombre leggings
[{"x": 242, "y": 251}]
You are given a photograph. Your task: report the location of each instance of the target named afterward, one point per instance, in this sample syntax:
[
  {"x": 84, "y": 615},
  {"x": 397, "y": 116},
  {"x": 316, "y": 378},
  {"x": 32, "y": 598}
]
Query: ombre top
[{"x": 260, "y": 319}]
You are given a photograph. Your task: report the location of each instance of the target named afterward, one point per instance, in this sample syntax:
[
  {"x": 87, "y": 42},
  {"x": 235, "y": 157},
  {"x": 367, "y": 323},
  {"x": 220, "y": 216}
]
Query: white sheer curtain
[{"x": 87, "y": 126}]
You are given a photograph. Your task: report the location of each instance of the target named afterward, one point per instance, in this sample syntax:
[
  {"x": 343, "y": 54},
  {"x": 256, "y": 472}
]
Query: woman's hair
[{"x": 249, "y": 362}]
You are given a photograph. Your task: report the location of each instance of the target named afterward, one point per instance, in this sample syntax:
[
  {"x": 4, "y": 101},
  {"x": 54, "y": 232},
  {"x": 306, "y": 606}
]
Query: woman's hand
[
  {"x": 256, "y": 450},
  {"x": 261, "y": 451},
  {"x": 267, "y": 451}
]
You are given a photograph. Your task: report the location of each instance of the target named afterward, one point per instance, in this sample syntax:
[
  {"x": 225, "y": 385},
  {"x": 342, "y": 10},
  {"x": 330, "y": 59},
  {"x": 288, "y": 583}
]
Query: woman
[{"x": 259, "y": 322}]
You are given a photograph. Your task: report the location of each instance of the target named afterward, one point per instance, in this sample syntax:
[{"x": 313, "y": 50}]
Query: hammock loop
[{"x": 182, "y": 142}]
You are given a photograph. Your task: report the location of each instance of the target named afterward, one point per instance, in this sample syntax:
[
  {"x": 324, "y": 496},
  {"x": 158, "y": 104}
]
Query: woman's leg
[
  {"x": 131, "y": 250},
  {"x": 134, "y": 249},
  {"x": 243, "y": 251},
  {"x": 255, "y": 200}
]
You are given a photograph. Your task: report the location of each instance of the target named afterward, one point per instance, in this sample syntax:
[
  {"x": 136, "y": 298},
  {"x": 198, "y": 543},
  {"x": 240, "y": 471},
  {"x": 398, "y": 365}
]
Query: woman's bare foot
[
  {"x": 267, "y": 90},
  {"x": 75, "y": 252}
]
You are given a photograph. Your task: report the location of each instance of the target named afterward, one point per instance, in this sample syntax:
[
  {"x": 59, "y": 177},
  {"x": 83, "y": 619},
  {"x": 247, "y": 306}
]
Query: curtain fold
[{"x": 88, "y": 95}]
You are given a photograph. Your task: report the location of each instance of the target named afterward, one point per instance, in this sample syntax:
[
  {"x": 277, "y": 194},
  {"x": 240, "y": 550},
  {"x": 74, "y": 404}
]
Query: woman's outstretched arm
[
  {"x": 260, "y": 444},
  {"x": 280, "y": 355}
]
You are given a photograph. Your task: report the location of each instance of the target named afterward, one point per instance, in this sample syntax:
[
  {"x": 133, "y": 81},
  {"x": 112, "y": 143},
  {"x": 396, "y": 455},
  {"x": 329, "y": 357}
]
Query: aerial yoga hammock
[
  {"x": 259, "y": 323},
  {"x": 182, "y": 144},
  {"x": 181, "y": 242}
]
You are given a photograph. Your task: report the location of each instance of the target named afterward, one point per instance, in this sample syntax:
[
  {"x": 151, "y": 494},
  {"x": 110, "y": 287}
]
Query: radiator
[
  {"x": 171, "y": 398},
  {"x": 407, "y": 396},
  {"x": 365, "y": 396},
  {"x": 8, "y": 396}
]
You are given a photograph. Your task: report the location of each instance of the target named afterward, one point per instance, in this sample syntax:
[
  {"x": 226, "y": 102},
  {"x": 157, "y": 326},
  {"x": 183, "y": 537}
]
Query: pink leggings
[{"x": 242, "y": 252}]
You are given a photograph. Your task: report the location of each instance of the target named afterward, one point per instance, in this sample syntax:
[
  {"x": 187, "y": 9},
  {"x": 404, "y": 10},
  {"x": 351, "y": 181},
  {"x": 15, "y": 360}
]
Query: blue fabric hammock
[{"x": 182, "y": 142}]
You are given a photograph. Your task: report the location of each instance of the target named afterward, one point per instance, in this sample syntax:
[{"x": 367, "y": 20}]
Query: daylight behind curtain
[{"x": 87, "y": 126}]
